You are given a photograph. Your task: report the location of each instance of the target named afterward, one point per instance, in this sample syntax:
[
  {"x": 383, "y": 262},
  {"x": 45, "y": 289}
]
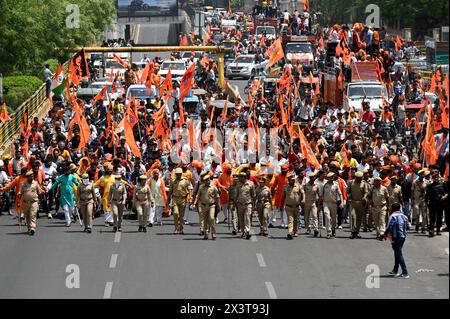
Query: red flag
[{"x": 4, "y": 114}]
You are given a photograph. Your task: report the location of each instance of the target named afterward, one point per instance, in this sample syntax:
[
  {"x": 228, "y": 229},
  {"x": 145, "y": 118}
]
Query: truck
[
  {"x": 364, "y": 85},
  {"x": 301, "y": 48}
]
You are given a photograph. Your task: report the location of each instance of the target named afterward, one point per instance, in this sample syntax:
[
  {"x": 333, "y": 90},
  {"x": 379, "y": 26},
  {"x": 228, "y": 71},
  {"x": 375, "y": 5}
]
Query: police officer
[
  {"x": 418, "y": 201},
  {"x": 263, "y": 204},
  {"x": 436, "y": 195},
  {"x": 85, "y": 200},
  {"x": 180, "y": 192},
  {"x": 29, "y": 191},
  {"x": 331, "y": 195},
  {"x": 379, "y": 202},
  {"x": 292, "y": 198},
  {"x": 244, "y": 202},
  {"x": 358, "y": 192},
  {"x": 395, "y": 192},
  {"x": 142, "y": 199},
  {"x": 311, "y": 192},
  {"x": 367, "y": 216},
  {"x": 194, "y": 203},
  {"x": 116, "y": 199},
  {"x": 208, "y": 195},
  {"x": 232, "y": 193}
]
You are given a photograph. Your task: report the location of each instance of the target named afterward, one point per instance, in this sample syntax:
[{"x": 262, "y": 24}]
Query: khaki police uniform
[
  {"x": 244, "y": 199},
  {"x": 180, "y": 190},
  {"x": 30, "y": 196},
  {"x": 419, "y": 204},
  {"x": 293, "y": 196},
  {"x": 117, "y": 197},
  {"x": 195, "y": 202},
  {"x": 263, "y": 206},
  {"x": 310, "y": 208},
  {"x": 232, "y": 193},
  {"x": 368, "y": 216},
  {"x": 86, "y": 196},
  {"x": 357, "y": 193},
  {"x": 330, "y": 197},
  {"x": 379, "y": 202},
  {"x": 208, "y": 196},
  {"x": 142, "y": 200}
]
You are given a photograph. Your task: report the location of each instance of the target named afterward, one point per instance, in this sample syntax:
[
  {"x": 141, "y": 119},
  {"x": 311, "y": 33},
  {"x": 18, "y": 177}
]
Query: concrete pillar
[
  {"x": 407, "y": 33},
  {"x": 436, "y": 34}
]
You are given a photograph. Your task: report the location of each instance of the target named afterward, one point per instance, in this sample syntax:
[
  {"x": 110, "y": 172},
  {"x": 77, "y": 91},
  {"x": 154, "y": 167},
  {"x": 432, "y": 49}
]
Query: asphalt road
[{"x": 161, "y": 265}]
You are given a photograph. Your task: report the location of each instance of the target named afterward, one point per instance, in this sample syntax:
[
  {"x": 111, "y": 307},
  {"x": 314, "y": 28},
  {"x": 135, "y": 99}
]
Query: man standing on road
[
  {"x": 180, "y": 192},
  {"x": 418, "y": 202},
  {"x": 142, "y": 200},
  {"x": 436, "y": 195},
  {"x": 208, "y": 195},
  {"x": 29, "y": 191},
  {"x": 331, "y": 195},
  {"x": 357, "y": 195},
  {"x": 311, "y": 191},
  {"x": 379, "y": 201},
  {"x": 244, "y": 202},
  {"x": 67, "y": 193},
  {"x": 263, "y": 204},
  {"x": 117, "y": 197},
  {"x": 85, "y": 201},
  {"x": 293, "y": 197},
  {"x": 396, "y": 232}
]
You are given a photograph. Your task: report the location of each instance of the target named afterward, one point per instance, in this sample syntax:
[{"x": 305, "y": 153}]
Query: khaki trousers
[
  {"x": 420, "y": 209},
  {"x": 329, "y": 211},
  {"x": 292, "y": 213},
  {"x": 30, "y": 210},
  {"x": 86, "y": 214},
  {"x": 357, "y": 213},
  {"x": 379, "y": 217},
  {"x": 263, "y": 214},
  {"x": 244, "y": 213},
  {"x": 311, "y": 211},
  {"x": 178, "y": 214},
  {"x": 142, "y": 212},
  {"x": 117, "y": 210},
  {"x": 209, "y": 220}
]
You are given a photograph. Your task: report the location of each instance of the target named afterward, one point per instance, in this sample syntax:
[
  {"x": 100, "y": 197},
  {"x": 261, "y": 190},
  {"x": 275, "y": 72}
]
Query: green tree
[{"x": 30, "y": 30}]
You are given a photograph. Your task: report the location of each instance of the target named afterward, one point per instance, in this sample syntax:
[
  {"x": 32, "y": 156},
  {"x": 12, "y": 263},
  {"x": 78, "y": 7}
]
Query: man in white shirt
[
  {"x": 156, "y": 187},
  {"x": 243, "y": 155},
  {"x": 380, "y": 150}
]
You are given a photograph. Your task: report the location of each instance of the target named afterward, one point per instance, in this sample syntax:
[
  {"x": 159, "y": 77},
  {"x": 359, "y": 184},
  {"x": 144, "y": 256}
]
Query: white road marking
[
  {"x": 108, "y": 290},
  {"x": 113, "y": 262},
  {"x": 271, "y": 290},
  {"x": 261, "y": 261},
  {"x": 117, "y": 237}
]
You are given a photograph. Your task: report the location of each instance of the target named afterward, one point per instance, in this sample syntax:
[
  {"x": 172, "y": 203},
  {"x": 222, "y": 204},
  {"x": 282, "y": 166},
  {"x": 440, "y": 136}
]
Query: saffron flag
[
  {"x": 307, "y": 151},
  {"x": 78, "y": 67},
  {"x": 129, "y": 137},
  {"x": 101, "y": 95},
  {"x": 120, "y": 61},
  {"x": 184, "y": 41},
  {"x": 187, "y": 82},
  {"x": 275, "y": 53},
  {"x": 4, "y": 114}
]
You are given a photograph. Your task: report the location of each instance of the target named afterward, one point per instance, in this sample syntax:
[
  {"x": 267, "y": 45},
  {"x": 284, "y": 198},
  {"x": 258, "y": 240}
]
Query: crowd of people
[{"x": 326, "y": 180}]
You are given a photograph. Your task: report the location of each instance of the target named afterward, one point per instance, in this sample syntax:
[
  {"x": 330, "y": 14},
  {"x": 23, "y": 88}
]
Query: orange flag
[
  {"x": 101, "y": 95},
  {"x": 4, "y": 114},
  {"x": 167, "y": 85},
  {"x": 275, "y": 53},
  {"x": 307, "y": 151},
  {"x": 146, "y": 73},
  {"x": 262, "y": 41},
  {"x": 224, "y": 112},
  {"x": 444, "y": 114},
  {"x": 311, "y": 78},
  {"x": 284, "y": 120},
  {"x": 78, "y": 67},
  {"x": 129, "y": 137},
  {"x": 120, "y": 61},
  {"x": 433, "y": 84},
  {"x": 429, "y": 142},
  {"x": 340, "y": 81}
]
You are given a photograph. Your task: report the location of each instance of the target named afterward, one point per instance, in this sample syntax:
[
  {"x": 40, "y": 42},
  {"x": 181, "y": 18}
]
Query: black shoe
[
  {"x": 316, "y": 233},
  {"x": 431, "y": 234},
  {"x": 115, "y": 229},
  {"x": 417, "y": 228},
  {"x": 150, "y": 225},
  {"x": 423, "y": 230},
  {"x": 328, "y": 236},
  {"x": 242, "y": 235},
  {"x": 248, "y": 236},
  {"x": 144, "y": 229},
  {"x": 365, "y": 230},
  {"x": 88, "y": 231},
  {"x": 270, "y": 226},
  {"x": 202, "y": 233},
  {"x": 308, "y": 231},
  {"x": 289, "y": 236},
  {"x": 119, "y": 229},
  {"x": 140, "y": 229},
  {"x": 234, "y": 232},
  {"x": 353, "y": 236},
  {"x": 358, "y": 235},
  {"x": 31, "y": 232},
  {"x": 333, "y": 233}
]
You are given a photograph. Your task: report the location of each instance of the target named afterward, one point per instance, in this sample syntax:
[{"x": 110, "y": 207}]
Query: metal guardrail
[{"x": 34, "y": 105}]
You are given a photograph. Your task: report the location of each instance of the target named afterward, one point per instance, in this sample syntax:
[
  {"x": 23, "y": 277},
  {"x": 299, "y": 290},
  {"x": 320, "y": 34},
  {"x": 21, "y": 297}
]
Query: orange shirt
[
  {"x": 277, "y": 185},
  {"x": 225, "y": 180},
  {"x": 17, "y": 183},
  {"x": 387, "y": 116}
]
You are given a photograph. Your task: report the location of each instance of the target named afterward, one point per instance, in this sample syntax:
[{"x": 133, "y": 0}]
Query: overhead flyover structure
[{"x": 219, "y": 50}]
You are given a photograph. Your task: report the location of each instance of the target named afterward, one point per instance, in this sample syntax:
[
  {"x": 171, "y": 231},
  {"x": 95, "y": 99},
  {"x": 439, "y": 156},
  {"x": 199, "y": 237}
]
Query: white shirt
[
  {"x": 286, "y": 15},
  {"x": 3, "y": 178},
  {"x": 362, "y": 167},
  {"x": 50, "y": 171},
  {"x": 156, "y": 191}
]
